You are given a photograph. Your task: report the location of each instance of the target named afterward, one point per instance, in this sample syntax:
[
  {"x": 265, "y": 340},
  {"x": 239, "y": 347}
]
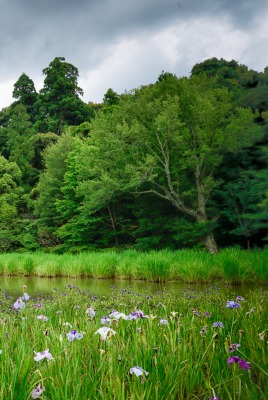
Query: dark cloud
[{"x": 86, "y": 32}]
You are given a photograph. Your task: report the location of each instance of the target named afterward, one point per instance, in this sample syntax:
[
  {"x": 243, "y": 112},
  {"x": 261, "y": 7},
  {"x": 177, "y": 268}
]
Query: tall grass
[
  {"x": 229, "y": 265},
  {"x": 184, "y": 360}
]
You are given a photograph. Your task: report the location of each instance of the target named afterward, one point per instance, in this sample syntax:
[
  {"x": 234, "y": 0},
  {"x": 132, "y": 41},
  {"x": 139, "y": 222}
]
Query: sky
[{"x": 124, "y": 44}]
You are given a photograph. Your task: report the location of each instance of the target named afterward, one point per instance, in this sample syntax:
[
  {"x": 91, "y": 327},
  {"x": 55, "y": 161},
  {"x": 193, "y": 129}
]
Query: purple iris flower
[
  {"x": 91, "y": 312},
  {"x": 233, "y": 347},
  {"x": 242, "y": 363},
  {"x": 138, "y": 371},
  {"x": 117, "y": 315},
  {"x": 105, "y": 320},
  {"x": 217, "y": 324},
  {"x": 74, "y": 335},
  {"x": 43, "y": 354},
  {"x": 137, "y": 314},
  {"x": 163, "y": 322},
  {"x": 240, "y": 298},
  {"x": 37, "y": 392},
  {"x": 19, "y": 304},
  {"x": 25, "y": 296},
  {"x": 215, "y": 398},
  {"x": 207, "y": 314},
  {"x": 232, "y": 304}
]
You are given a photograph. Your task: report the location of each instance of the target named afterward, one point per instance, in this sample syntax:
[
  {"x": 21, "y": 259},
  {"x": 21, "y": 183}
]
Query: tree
[
  {"x": 10, "y": 192},
  {"x": 19, "y": 144},
  {"x": 172, "y": 143},
  {"x": 25, "y": 93},
  {"x": 58, "y": 103},
  {"x": 111, "y": 98},
  {"x": 48, "y": 190}
]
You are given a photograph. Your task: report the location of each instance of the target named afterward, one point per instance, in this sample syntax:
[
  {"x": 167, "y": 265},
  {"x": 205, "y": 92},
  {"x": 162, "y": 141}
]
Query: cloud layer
[{"x": 123, "y": 44}]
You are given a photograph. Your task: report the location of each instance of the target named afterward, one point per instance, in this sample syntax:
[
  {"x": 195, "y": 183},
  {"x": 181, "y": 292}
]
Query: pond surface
[{"x": 13, "y": 286}]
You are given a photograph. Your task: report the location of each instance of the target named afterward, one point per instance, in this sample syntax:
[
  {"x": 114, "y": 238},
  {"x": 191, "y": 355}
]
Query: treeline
[{"x": 178, "y": 163}]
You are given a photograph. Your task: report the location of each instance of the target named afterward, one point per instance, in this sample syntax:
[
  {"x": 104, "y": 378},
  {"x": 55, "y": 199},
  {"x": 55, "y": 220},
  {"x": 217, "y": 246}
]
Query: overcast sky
[{"x": 123, "y": 44}]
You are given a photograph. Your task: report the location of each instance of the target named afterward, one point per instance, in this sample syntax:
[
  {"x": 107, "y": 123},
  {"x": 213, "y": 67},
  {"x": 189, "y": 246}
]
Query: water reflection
[{"x": 13, "y": 286}]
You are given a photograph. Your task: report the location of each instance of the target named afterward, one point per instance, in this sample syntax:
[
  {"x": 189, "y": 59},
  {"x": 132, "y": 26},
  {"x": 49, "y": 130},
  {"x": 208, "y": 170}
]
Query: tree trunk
[{"x": 210, "y": 243}]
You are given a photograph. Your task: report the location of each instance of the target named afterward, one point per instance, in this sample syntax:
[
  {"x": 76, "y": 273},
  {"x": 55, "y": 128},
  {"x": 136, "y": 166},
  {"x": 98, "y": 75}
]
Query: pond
[{"x": 13, "y": 286}]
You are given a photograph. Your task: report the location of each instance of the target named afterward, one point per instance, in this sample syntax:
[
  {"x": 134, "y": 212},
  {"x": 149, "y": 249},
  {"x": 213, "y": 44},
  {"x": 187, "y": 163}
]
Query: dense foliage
[{"x": 178, "y": 163}]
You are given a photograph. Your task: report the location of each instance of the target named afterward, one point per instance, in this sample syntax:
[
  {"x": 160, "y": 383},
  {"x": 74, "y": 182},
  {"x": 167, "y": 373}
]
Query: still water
[{"x": 13, "y": 286}]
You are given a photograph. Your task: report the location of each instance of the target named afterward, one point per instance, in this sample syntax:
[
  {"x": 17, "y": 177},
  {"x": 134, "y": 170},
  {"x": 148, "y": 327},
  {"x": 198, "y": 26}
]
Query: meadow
[
  {"x": 126, "y": 345},
  {"x": 229, "y": 265}
]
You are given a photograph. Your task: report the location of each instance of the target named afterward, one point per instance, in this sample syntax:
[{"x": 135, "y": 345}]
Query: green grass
[
  {"x": 229, "y": 265},
  {"x": 182, "y": 363}
]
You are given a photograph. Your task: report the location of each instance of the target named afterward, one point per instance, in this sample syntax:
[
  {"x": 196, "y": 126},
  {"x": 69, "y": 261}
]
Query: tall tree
[
  {"x": 173, "y": 143},
  {"x": 24, "y": 92},
  {"x": 58, "y": 103}
]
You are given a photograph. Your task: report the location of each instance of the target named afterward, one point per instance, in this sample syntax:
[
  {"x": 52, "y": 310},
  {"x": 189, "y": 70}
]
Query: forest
[{"x": 180, "y": 163}]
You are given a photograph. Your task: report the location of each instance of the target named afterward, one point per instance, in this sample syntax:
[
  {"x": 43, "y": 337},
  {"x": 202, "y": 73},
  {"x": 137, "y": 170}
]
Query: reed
[{"x": 229, "y": 265}]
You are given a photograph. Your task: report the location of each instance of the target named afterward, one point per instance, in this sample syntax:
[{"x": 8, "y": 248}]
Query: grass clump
[{"x": 229, "y": 265}]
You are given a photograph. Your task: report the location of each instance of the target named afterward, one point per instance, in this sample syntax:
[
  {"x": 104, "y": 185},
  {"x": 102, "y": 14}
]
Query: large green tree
[{"x": 173, "y": 143}]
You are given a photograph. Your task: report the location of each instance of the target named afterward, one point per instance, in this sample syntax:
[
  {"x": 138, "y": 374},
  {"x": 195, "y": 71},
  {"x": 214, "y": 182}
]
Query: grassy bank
[
  {"x": 230, "y": 265},
  {"x": 191, "y": 347}
]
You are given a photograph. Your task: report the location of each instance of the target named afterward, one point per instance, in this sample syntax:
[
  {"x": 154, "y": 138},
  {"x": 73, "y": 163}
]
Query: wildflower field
[{"x": 74, "y": 345}]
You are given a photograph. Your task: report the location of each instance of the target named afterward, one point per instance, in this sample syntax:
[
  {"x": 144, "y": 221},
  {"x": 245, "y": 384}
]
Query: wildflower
[
  {"x": 137, "y": 314},
  {"x": 105, "y": 320},
  {"x": 217, "y": 324},
  {"x": 215, "y": 398},
  {"x": 207, "y": 314},
  {"x": 203, "y": 330},
  {"x": 232, "y": 304},
  {"x": 104, "y": 331},
  {"x": 195, "y": 312},
  {"x": 117, "y": 315},
  {"x": 240, "y": 298},
  {"x": 37, "y": 305},
  {"x": 91, "y": 312},
  {"x": 42, "y": 317},
  {"x": 43, "y": 354},
  {"x": 19, "y": 304},
  {"x": 233, "y": 347},
  {"x": 37, "y": 392},
  {"x": 74, "y": 335},
  {"x": 25, "y": 296},
  {"x": 173, "y": 313},
  {"x": 242, "y": 363},
  {"x": 138, "y": 371},
  {"x": 261, "y": 335},
  {"x": 139, "y": 330},
  {"x": 163, "y": 322}
]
